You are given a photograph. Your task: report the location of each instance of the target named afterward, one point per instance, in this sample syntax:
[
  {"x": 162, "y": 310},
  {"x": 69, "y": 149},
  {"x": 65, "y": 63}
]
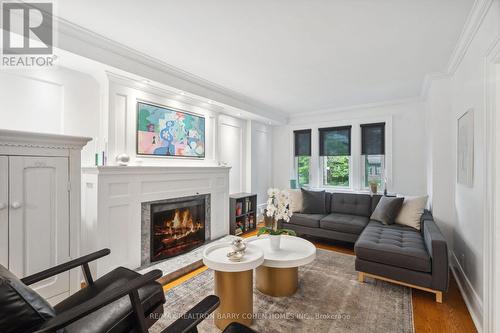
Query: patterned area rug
[{"x": 329, "y": 299}]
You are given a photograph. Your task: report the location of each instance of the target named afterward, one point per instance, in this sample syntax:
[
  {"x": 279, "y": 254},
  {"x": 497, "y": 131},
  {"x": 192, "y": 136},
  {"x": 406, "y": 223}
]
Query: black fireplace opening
[{"x": 176, "y": 228}]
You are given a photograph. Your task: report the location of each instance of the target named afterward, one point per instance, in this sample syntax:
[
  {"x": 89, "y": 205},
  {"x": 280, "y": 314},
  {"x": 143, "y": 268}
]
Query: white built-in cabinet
[{"x": 40, "y": 207}]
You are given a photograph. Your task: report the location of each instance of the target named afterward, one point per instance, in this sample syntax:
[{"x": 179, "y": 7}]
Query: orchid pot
[
  {"x": 275, "y": 241},
  {"x": 278, "y": 209}
]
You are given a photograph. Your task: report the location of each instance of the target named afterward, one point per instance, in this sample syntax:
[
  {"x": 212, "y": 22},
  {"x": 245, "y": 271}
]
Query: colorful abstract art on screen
[{"x": 165, "y": 132}]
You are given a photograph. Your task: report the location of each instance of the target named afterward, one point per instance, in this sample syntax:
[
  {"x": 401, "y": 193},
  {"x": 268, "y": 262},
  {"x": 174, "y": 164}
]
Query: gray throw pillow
[
  {"x": 387, "y": 210},
  {"x": 313, "y": 202}
]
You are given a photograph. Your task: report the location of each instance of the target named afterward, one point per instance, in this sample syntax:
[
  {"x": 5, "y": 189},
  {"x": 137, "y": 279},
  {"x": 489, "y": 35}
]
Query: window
[
  {"x": 302, "y": 156},
  {"x": 373, "y": 154},
  {"x": 335, "y": 153},
  {"x": 303, "y": 167}
]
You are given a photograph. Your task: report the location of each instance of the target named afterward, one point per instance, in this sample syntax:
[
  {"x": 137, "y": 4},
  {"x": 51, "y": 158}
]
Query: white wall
[
  {"x": 440, "y": 156},
  {"x": 458, "y": 208},
  {"x": 122, "y": 123},
  {"x": 495, "y": 295},
  {"x": 244, "y": 145},
  {"x": 261, "y": 160},
  {"x": 232, "y": 151},
  {"x": 60, "y": 100},
  {"x": 67, "y": 101},
  {"x": 405, "y": 144}
]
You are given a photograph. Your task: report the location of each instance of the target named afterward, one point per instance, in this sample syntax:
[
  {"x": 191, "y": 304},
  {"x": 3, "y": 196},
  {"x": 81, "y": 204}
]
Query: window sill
[{"x": 342, "y": 190}]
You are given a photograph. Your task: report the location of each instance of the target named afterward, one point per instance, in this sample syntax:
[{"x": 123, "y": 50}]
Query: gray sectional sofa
[
  {"x": 395, "y": 253},
  {"x": 346, "y": 217}
]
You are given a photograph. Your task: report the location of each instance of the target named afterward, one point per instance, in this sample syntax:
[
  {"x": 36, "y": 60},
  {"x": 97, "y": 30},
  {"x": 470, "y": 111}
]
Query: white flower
[{"x": 278, "y": 205}]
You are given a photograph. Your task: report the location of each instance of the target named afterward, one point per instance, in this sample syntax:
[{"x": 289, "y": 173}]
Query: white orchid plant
[{"x": 278, "y": 208}]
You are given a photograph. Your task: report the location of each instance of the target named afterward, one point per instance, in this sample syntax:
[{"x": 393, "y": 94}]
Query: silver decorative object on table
[{"x": 238, "y": 251}]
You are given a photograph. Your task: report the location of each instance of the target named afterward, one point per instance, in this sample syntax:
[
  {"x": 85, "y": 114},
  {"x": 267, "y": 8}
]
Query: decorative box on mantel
[{"x": 113, "y": 198}]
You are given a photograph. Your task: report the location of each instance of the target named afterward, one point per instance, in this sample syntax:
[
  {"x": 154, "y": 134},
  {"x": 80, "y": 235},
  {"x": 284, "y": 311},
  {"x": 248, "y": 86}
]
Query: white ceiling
[{"x": 293, "y": 55}]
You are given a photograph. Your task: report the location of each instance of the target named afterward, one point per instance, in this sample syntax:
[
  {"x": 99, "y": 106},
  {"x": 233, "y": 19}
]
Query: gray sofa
[
  {"x": 395, "y": 253},
  {"x": 346, "y": 217}
]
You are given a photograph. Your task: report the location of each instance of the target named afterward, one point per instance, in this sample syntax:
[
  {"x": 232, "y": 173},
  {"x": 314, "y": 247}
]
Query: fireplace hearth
[{"x": 173, "y": 227}]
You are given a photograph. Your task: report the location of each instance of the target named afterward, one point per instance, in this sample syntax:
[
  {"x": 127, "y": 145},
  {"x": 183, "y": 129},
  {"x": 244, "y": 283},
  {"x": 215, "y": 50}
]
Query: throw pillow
[
  {"x": 295, "y": 196},
  {"x": 387, "y": 210},
  {"x": 411, "y": 211},
  {"x": 314, "y": 202}
]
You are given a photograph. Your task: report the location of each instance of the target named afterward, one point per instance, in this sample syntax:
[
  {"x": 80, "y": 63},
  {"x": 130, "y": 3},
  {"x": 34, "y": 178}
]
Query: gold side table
[
  {"x": 278, "y": 275},
  {"x": 233, "y": 283}
]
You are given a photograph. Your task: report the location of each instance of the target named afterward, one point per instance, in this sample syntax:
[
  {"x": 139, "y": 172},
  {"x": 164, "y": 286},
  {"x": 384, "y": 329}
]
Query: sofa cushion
[
  {"x": 23, "y": 310},
  {"x": 313, "y": 202},
  {"x": 306, "y": 220},
  {"x": 352, "y": 224},
  {"x": 350, "y": 203},
  {"x": 393, "y": 245},
  {"x": 387, "y": 210},
  {"x": 411, "y": 212},
  {"x": 117, "y": 316},
  {"x": 295, "y": 196}
]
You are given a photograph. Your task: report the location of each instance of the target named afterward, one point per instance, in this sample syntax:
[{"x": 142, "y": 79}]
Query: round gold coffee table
[
  {"x": 278, "y": 275},
  {"x": 233, "y": 283}
]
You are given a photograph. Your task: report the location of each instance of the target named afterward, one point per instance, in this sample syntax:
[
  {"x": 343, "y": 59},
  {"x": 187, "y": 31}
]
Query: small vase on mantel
[{"x": 275, "y": 241}]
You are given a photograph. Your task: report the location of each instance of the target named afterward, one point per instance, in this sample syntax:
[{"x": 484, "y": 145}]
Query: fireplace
[{"x": 176, "y": 228}]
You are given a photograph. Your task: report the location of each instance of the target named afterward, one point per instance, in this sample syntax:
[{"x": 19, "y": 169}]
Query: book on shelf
[
  {"x": 239, "y": 208},
  {"x": 240, "y": 224},
  {"x": 248, "y": 205}
]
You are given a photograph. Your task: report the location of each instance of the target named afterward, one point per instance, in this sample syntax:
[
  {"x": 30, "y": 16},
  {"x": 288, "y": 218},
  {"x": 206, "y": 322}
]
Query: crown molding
[
  {"x": 429, "y": 78},
  {"x": 474, "y": 20},
  {"x": 472, "y": 25},
  {"x": 86, "y": 43},
  {"x": 12, "y": 138},
  {"x": 356, "y": 107},
  {"x": 169, "y": 93}
]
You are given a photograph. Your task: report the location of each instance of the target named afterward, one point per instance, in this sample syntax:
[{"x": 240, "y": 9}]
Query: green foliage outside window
[
  {"x": 374, "y": 170},
  {"x": 303, "y": 166},
  {"x": 336, "y": 171}
]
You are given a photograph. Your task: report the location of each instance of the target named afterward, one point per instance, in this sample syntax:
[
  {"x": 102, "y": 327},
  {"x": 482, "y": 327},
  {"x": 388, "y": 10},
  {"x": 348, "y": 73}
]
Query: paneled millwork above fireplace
[{"x": 114, "y": 199}]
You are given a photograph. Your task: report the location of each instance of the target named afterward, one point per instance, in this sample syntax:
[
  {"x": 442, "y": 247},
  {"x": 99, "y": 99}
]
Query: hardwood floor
[{"x": 450, "y": 316}]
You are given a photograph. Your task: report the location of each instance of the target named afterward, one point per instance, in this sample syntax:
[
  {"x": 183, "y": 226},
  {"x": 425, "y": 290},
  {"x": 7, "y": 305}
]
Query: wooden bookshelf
[{"x": 242, "y": 213}]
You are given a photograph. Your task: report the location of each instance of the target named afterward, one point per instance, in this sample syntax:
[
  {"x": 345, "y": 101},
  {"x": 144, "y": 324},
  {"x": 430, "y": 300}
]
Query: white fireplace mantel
[{"x": 111, "y": 205}]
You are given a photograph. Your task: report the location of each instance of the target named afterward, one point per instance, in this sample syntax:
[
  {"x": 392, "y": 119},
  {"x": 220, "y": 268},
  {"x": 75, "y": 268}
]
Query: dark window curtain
[
  {"x": 335, "y": 141},
  {"x": 373, "y": 139},
  {"x": 302, "y": 142}
]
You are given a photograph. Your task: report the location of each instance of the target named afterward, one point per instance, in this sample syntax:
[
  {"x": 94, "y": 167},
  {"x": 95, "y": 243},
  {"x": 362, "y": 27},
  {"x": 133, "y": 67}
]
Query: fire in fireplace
[{"x": 176, "y": 228}]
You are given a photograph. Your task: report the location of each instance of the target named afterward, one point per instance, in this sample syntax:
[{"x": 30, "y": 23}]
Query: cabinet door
[
  {"x": 39, "y": 219},
  {"x": 4, "y": 211}
]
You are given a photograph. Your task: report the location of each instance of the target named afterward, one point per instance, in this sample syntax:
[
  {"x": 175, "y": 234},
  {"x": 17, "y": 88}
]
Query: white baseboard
[{"x": 471, "y": 298}]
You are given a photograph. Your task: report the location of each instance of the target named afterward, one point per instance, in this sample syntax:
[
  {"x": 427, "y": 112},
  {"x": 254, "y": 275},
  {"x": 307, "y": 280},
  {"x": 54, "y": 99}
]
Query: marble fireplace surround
[{"x": 146, "y": 223}]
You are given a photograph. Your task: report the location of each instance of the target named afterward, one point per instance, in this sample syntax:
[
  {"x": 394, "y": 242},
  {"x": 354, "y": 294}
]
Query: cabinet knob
[
  {"x": 3, "y": 206},
  {"x": 15, "y": 205}
]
